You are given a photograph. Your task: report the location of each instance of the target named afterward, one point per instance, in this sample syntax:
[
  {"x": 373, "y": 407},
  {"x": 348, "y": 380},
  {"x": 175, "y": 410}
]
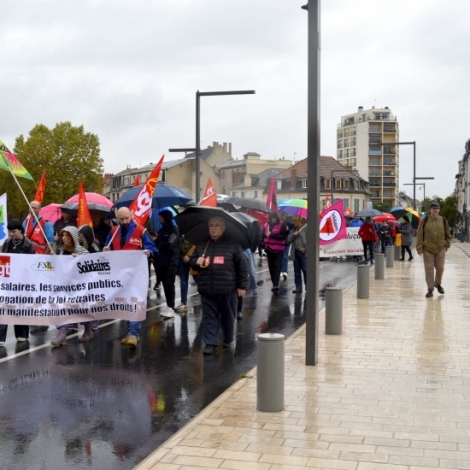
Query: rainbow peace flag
[{"x": 9, "y": 161}]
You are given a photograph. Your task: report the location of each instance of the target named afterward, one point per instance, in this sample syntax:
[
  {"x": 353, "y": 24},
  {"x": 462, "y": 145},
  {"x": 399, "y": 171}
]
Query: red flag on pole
[
  {"x": 83, "y": 216},
  {"x": 142, "y": 204},
  {"x": 271, "y": 202},
  {"x": 210, "y": 196},
  {"x": 137, "y": 181},
  {"x": 41, "y": 188}
]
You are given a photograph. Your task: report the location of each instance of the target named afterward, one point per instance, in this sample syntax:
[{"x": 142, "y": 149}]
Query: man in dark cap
[
  {"x": 17, "y": 243},
  {"x": 168, "y": 245},
  {"x": 432, "y": 243}
]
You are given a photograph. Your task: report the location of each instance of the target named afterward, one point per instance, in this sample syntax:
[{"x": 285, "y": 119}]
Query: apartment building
[{"x": 366, "y": 143}]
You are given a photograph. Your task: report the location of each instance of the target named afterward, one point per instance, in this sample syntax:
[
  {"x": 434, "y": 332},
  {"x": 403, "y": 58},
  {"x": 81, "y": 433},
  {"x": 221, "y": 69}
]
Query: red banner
[
  {"x": 142, "y": 204},
  {"x": 41, "y": 188},
  {"x": 210, "y": 196},
  {"x": 83, "y": 216},
  {"x": 271, "y": 202}
]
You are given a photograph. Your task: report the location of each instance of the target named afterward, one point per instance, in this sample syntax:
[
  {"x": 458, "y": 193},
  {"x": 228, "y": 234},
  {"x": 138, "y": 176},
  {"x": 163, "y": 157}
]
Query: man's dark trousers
[{"x": 214, "y": 307}]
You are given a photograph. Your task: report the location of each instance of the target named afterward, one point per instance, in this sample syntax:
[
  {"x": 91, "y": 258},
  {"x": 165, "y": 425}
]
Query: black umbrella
[
  {"x": 369, "y": 213},
  {"x": 248, "y": 204},
  {"x": 255, "y": 232},
  {"x": 194, "y": 225}
]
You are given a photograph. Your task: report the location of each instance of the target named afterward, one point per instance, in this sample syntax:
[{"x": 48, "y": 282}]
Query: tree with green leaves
[
  {"x": 67, "y": 153},
  {"x": 382, "y": 206}
]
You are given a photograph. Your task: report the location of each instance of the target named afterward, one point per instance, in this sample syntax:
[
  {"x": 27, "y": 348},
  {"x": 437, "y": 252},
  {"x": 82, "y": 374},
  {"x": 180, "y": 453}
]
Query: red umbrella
[
  {"x": 385, "y": 216},
  {"x": 93, "y": 198},
  {"x": 95, "y": 201}
]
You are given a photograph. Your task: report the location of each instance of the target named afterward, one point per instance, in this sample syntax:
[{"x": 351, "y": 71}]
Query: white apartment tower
[{"x": 366, "y": 143}]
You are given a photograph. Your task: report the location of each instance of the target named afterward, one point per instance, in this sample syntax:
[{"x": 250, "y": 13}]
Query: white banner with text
[
  {"x": 53, "y": 290},
  {"x": 349, "y": 246}
]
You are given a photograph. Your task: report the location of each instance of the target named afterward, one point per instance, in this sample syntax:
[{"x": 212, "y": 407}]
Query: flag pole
[{"x": 30, "y": 209}]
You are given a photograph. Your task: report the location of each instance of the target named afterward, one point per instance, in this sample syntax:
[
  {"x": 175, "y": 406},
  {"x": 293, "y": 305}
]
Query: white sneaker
[
  {"x": 2, "y": 343},
  {"x": 167, "y": 314},
  {"x": 183, "y": 308},
  {"x": 20, "y": 339},
  {"x": 284, "y": 275}
]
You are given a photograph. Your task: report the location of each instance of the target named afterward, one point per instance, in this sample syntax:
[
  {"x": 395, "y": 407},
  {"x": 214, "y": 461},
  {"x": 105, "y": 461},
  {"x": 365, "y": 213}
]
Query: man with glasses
[
  {"x": 222, "y": 277},
  {"x": 432, "y": 243}
]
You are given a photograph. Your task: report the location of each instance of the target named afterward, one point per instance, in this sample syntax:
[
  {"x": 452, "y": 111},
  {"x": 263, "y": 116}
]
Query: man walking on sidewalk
[{"x": 432, "y": 242}]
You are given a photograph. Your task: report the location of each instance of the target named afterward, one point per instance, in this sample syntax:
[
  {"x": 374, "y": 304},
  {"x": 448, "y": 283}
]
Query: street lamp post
[
  {"x": 414, "y": 164},
  {"x": 198, "y": 129},
  {"x": 418, "y": 184}
]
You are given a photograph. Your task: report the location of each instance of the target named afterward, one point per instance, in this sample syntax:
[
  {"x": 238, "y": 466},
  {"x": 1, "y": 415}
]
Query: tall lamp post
[
  {"x": 197, "y": 149},
  {"x": 418, "y": 184}
]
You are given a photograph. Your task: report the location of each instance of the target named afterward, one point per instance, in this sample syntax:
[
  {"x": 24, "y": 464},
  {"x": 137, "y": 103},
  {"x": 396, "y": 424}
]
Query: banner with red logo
[
  {"x": 142, "y": 204},
  {"x": 332, "y": 224},
  {"x": 351, "y": 245},
  {"x": 54, "y": 290}
]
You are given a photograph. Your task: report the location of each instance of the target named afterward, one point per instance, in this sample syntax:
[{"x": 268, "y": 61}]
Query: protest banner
[
  {"x": 53, "y": 290},
  {"x": 349, "y": 246}
]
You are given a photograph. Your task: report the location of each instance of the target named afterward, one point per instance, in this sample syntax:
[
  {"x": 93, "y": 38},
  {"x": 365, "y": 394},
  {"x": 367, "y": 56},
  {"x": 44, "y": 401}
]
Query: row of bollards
[{"x": 270, "y": 371}]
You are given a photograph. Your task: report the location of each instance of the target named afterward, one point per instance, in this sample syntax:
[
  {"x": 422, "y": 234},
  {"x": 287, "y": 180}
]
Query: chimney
[
  {"x": 225, "y": 147},
  {"x": 215, "y": 144},
  {"x": 230, "y": 148},
  {"x": 293, "y": 177},
  {"x": 361, "y": 108}
]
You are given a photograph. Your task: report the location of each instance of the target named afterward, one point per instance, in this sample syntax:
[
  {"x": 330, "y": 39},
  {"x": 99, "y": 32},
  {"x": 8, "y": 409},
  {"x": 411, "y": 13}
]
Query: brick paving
[{"x": 391, "y": 393}]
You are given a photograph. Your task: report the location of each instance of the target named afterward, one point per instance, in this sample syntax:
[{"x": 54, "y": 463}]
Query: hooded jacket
[
  {"x": 79, "y": 250},
  {"x": 93, "y": 246},
  {"x": 168, "y": 241}
]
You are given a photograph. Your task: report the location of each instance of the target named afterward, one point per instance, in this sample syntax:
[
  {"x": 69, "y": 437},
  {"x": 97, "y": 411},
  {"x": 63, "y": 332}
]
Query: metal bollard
[
  {"x": 333, "y": 311},
  {"x": 397, "y": 253},
  {"x": 363, "y": 282},
  {"x": 270, "y": 373},
  {"x": 379, "y": 271},
  {"x": 389, "y": 256}
]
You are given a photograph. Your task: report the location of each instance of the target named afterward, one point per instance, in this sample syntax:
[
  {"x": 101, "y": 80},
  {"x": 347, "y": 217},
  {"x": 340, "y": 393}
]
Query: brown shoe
[{"x": 440, "y": 289}]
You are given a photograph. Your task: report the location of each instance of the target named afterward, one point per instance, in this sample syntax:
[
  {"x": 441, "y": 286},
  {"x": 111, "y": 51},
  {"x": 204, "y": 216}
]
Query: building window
[
  {"x": 346, "y": 184},
  {"x": 243, "y": 194},
  {"x": 278, "y": 184},
  {"x": 304, "y": 184},
  {"x": 356, "y": 205},
  {"x": 255, "y": 194},
  {"x": 345, "y": 203},
  {"x": 223, "y": 174},
  {"x": 234, "y": 194},
  {"x": 338, "y": 184},
  {"x": 326, "y": 181}
]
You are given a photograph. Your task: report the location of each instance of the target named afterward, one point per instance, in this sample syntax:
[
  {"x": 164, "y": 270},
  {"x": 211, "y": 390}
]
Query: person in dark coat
[
  {"x": 87, "y": 240},
  {"x": 406, "y": 231},
  {"x": 168, "y": 244},
  {"x": 17, "y": 243},
  {"x": 222, "y": 277}
]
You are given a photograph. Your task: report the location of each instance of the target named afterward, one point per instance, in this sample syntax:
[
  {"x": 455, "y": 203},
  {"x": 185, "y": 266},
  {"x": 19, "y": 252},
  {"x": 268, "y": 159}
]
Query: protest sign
[
  {"x": 349, "y": 246},
  {"x": 53, "y": 290}
]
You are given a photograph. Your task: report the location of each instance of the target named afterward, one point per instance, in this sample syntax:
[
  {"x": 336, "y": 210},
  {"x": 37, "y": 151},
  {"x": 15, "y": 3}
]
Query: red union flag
[
  {"x": 142, "y": 204},
  {"x": 210, "y": 196}
]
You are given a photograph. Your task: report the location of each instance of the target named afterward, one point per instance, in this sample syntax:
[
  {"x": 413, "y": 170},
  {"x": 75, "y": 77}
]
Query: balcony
[
  {"x": 389, "y": 162},
  {"x": 374, "y": 162},
  {"x": 389, "y": 173},
  {"x": 375, "y": 151},
  {"x": 390, "y": 185},
  {"x": 389, "y": 129}
]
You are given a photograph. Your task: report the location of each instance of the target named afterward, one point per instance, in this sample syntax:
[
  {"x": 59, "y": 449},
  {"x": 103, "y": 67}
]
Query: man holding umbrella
[{"x": 222, "y": 277}]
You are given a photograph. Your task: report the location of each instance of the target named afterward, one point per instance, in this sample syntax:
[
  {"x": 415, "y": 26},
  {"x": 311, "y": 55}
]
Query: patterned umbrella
[{"x": 295, "y": 207}]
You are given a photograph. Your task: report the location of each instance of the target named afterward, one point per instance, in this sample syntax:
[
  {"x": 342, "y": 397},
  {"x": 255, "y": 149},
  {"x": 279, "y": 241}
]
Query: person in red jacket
[{"x": 368, "y": 236}]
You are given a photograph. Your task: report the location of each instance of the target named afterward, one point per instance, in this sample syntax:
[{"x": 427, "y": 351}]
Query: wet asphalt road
[{"x": 101, "y": 405}]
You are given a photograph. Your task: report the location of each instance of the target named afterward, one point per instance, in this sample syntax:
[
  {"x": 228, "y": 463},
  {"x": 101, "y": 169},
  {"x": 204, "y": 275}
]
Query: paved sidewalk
[{"x": 391, "y": 393}]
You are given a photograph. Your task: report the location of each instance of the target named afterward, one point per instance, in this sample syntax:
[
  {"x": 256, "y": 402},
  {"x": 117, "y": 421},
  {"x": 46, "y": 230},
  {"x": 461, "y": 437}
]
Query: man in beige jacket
[{"x": 433, "y": 242}]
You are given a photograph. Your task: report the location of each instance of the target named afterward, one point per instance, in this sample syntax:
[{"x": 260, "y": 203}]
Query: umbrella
[
  {"x": 194, "y": 225},
  {"x": 368, "y": 213},
  {"x": 295, "y": 207},
  {"x": 95, "y": 202},
  {"x": 399, "y": 212},
  {"x": 385, "y": 216},
  {"x": 163, "y": 196},
  {"x": 253, "y": 225},
  {"x": 51, "y": 213},
  {"x": 248, "y": 203}
]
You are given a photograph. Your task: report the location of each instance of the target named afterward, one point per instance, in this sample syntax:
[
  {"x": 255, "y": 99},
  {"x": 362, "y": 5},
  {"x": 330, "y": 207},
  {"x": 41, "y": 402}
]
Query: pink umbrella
[
  {"x": 93, "y": 198},
  {"x": 51, "y": 213}
]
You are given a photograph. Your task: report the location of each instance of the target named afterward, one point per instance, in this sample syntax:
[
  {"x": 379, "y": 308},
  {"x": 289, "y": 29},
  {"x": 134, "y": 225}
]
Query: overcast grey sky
[{"x": 128, "y": 71}]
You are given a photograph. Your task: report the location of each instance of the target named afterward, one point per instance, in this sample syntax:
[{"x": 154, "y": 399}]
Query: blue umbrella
[{"x": 163, "y": 196}]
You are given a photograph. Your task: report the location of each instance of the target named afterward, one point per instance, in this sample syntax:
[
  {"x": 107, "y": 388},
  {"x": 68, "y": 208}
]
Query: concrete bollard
[
  {"x": 379, "y": 271},
  {"x": 333, "y": 311},
  {"x": 389, "y": 256},
  {"x": 397, "y": 253},
  {"x": 363, "y": 282},
  {"x": 270, "y": 373}
]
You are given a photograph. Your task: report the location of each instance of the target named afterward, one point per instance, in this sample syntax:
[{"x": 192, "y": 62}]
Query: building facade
[
  {"x": 366, "y": 143},
  {"x": 336, "y": 182}
]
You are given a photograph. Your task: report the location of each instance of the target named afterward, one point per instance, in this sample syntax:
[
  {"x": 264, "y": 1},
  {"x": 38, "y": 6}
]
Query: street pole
[{"x": 313, "y": 190}]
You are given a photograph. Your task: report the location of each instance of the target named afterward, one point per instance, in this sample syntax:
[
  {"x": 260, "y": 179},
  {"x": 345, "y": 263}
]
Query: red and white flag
[
  {"x": 210, "y": 196},
  {"x": 142, "y": 204}
]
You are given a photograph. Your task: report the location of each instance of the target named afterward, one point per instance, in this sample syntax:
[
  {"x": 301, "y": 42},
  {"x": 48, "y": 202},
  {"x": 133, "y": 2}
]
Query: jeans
[
  {"x": 167, "y": 276},
  {"x": 133, "y": 328},
  {"x": 275, "y": 264},
  {"x": 285, "y": 259},
  {"x": 183, "y": 273},
  {"x": 250, "y": 259},
  {"x": 21, "y": 331},
  {"x": 300, "y": 266}
]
